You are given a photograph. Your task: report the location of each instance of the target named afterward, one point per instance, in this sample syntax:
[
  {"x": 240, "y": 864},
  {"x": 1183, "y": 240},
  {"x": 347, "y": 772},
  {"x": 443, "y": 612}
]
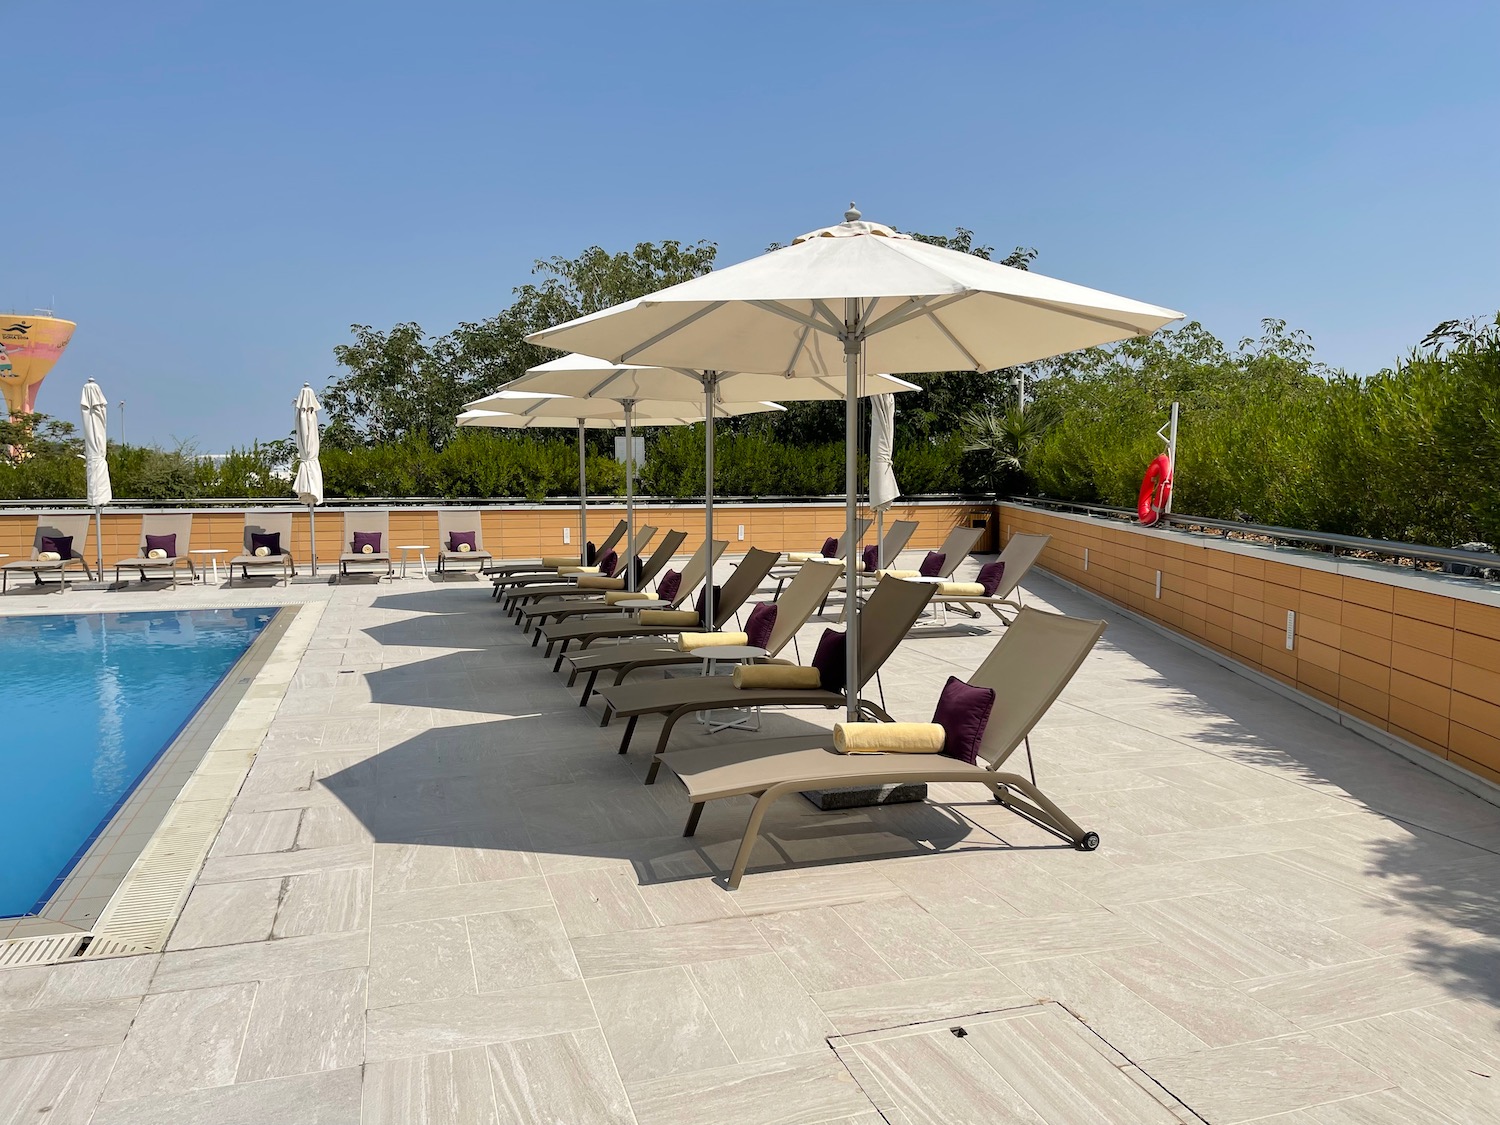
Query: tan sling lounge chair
[
  {"x": 545, "y": 615},
  {"x": 274, "y": 563},
  {"x": 520, "y": 599},
  {"x": 180, "y": 528},
  {"x": 378, "y": 562},
  {"x": 1028, "y": 669},
  {"x": 955, "y": 549},
  {"x": 465, "y": 521},
  {"x": 64, "y": 525},
  {"x": 508, "y": 584},
  {"x": 795, "y": 559},
  {"x": 739, "y": 586},
  {"x": 794, "y": 607},
  {"x": 883, "y": 623},
  {"x": 895, "y": 541},
  {"x": 1019, "y": 556},
  {"x": 541, "y": 565}
]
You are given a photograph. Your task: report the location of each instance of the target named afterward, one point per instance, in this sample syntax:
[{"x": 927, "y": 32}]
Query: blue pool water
[{"x": 90, "y": 701}]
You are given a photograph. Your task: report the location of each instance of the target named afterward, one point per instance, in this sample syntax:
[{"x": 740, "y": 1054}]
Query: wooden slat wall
[{"x": 1422, "y": 665}]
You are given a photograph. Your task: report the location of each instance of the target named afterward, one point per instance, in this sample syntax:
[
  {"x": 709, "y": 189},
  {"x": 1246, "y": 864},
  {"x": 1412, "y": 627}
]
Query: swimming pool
[{"x": 91, "y": 700}]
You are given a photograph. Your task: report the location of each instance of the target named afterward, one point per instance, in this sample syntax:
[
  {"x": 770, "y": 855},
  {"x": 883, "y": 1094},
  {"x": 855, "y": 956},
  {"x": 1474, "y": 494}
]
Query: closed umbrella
[
  {"x": 309, "y": 482},
  {"x": 590, "y": 378},
  {"x": 883, "y": 486},
  {"x": 96, "y": 460},
  {"x": 522, "y": 411},
  {"x": 861, "y": 295}
]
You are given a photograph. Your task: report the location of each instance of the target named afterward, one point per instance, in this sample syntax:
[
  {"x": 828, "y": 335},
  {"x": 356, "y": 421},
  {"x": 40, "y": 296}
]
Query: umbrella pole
[
  {"x": 99, "y": 537},
  {"x": 312, "y": 537},
  {"x": 629, "y": 405},
  {"x": 710, "y": 383},
  {"x": 852, "y": 340},
  {"x": 583, "y": 497}
]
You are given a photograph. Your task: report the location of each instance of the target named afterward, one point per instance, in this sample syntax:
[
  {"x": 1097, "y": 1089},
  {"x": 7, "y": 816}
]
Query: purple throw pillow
[
  {"x": 167, "y": 543},
  {"x": 699, "y": 605},
  {"x": 830, "y": 547},
  {"x": 62, "y": 544},
  {"x": 608, "y": 563},
  {"x": 760, "y": 624},
  {"x": 270, "y": 541},
  {"x": 932, "y": 564},
  {"x": 963, "y": 711},
  {"x": 990, "y": 576},
  {"x": 668, "y": 585},
  {"x": 372, "y": 538},
  {"x": 829, "y": 660},
  {"x": 459, "y": 539},
  {"x": 590, "y": 553},
  {"x": 872, "y": 558}
]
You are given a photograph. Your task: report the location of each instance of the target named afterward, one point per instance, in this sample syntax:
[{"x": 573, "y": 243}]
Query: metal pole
[
  {"x": 312, "y": 539},
  {"x": 710, "y": 384},
  {"x": 1171, "y": 455},
  {"x": 99, "y": 537},
  {"x": 122, "y": 423},
  {"x": 1021, "y": 390},
  {"x": 583, "y": 496},
  {"x": 853, "y": 338},
  {"x": 629, "y": 405}
]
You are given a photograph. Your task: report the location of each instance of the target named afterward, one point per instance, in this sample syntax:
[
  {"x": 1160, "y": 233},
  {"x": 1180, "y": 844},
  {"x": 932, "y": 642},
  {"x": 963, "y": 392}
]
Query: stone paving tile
[
  {"x": 324, "y": 902},
  {"x": 59, "y": 1089},
  {"x": 444, "y": 1088},
  {"x": 41, "y": 1031},
  {"x": 328, "y": 1098},
  {"x": 801, "y": 1090},
  {"x": 468, "y": 1021},
  {"x": 183, "y": 1041},
  {"x": 656, "y": 1023},
  {"x": 303, "y": 1024},
  {"x": 227, "y": 914},
  {"x": 232, "y": 964},
  {"x": 515, "y": 948}
]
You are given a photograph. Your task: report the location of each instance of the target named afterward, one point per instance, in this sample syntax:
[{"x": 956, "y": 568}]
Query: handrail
[
  {"x": 1385, "y": 548},
  {"x": 241, "y": 502}
]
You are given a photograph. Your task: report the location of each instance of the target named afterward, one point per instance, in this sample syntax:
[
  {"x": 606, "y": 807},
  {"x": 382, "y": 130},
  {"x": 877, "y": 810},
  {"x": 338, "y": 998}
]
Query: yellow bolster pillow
[
  {"x": 777, "y": 677},
  {"x": 599, "y": 582},
  {"x": 556, "y": 561},
  {"x": 888, "y": 738},
  {"x": 614, "y": 597},
  {"x": 803, "y": 556},
  {"x": 675, "y": 617},
  {"x": 961, "y": 589},
  {"x": 898, "y": 574},
  {"x": 687, "y": 642}
]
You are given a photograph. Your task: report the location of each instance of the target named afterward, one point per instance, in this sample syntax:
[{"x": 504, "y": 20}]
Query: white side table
[
  {"x": 636, "y": 605},
  {"x": 213, "y": 561},
  {"x": 406, "y": 549},
  {"x": 747, "y": 718}
]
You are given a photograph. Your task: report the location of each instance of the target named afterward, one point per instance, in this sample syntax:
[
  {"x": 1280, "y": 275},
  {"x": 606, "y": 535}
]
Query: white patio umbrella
[
  {"x": 309, "y": 482},
  {"x": 883, "y": 486},
  {"x": 95, "y": 459},
  {"x": 586, "y": 377},
  {"x": 861, "y": 293},
  {"x": 525, "y": 410}
]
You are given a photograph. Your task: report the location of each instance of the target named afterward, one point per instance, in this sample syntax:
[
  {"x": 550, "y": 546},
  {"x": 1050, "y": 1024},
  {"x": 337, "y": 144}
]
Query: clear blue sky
[{"x": 214, "y": 192}]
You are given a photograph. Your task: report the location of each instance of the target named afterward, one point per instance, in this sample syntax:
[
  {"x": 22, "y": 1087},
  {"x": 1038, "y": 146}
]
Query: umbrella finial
[{"x": 851, "y": 215}]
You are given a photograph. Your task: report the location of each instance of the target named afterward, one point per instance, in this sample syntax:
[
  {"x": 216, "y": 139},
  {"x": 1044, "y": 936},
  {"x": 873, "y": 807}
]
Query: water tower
[{"x": 29, "y": 346}]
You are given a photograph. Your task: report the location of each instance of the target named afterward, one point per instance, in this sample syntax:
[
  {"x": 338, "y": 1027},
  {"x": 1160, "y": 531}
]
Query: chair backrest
[
  {"x": 268, "y": 523},
  {"x": 895, "y": 540},
  {"x": 861, "y": 525},
  {"x": 745, "y": 580},
  {"x": 72, "y": 524},
  {"x": 643, "y": 537},
  {"x": 1019, "y": 555},
  {"x": 179, "y": 524},
  {"x": 614, "y": 538},
  {"x": 803, "y": 594},
  {"x": 459, "y": 519},
  {"x": 697, "y": 567},
  {"x": 1028, "y": 669},
  {"x": 366, "y": 520},
  {"x": 956, "y": 548},
  {"x": 664, "y": 551},
  {"x": 885, "y": 620}
]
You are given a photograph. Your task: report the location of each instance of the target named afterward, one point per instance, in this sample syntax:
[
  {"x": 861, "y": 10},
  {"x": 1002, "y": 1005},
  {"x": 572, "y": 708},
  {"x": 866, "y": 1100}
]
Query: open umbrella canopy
[
  {"x": 587, "y": 377},
  {"x": 863, "y": 296}
]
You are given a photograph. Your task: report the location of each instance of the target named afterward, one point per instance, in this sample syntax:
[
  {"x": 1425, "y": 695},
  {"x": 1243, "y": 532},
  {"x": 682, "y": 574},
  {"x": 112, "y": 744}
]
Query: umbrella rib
[
  {"x": 678, "y": 327},
  {"x": 910, "y": 309},
  {"x": 797, "y": 350},
  {"x": 778, "y": 309},
  {"x": 973, "y": 359}
]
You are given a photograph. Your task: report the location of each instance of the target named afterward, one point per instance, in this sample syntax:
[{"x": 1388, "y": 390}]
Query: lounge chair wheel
[{"x": 1089, "y": 843}]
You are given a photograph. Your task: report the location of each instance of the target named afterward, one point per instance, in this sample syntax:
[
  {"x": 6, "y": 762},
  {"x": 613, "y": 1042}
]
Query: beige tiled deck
[{"x": 441, "y": 897}]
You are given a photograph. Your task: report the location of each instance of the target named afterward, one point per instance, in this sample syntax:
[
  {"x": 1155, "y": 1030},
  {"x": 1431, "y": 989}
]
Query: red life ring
[{"x": 1156, "y": 490}]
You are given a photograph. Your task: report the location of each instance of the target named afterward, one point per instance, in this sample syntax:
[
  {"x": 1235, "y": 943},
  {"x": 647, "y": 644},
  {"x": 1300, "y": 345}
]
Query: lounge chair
[
  {"x": 505, "y": 583},
  {"x": 461, "y": 521},
  {"x": 1019, "y": 556},
  {"x": 277, "y": 562},
  {"x": 794, "y": 607},
  {"x": 955, "y": 549},
  {"x": 895, "y": 541},
  {"x": 833, "y": 550},
  {"x": 176, "y": 532},
  {"x": 553, "y": 610},
  {"x": 741, "y": 584},
  {"x": 516, "y": 600},
  {"x": 1028, "y": 669},
  {"x": 542, "y": 565},
  {"x": 66, "y": 525},
  {"x": 377, "y": 561},
  {"x": 883, "y": 622}
]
